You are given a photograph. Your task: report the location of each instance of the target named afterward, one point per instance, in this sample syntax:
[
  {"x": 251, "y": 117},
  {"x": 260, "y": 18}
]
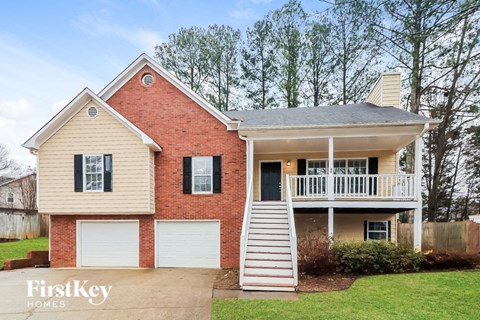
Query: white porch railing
[
  {"x": 365, "y": 186},
  {"x": 245, "y": 227},
  {"x": 292, "y": 232}
]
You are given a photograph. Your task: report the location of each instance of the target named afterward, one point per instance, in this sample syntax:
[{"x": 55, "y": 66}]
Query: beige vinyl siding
[
  {"x": 346, "y": 226},
  {"x": 387, "y": 163},
  {"x": 386, "y": 91},
  {"x": 101, "y": 135}
]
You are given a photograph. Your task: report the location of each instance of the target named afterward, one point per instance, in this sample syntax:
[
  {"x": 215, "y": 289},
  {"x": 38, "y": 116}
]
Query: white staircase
[{"x": 268, "y": 259}]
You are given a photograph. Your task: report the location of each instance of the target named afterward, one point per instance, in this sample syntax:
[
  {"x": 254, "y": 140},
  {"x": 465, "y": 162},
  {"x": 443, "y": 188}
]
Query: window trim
[
  {"x": 202, "y": 175},
  {"x": 84, "y": 173},
  {"x": 7, "y": 197},
  {"x": 377, "y": 231},
  {"x": 346, "y": 159}
]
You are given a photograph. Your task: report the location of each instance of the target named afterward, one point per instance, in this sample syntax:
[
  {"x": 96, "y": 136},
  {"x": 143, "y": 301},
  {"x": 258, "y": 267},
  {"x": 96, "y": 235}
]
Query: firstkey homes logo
[{"x": 94, "y": 294}]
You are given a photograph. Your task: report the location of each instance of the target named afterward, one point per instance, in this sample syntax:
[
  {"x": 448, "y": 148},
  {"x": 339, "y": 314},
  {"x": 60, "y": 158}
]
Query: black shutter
[
  {"x": 107, "y": 172},
  {"x": 373, "y": 169},
  {"x": 187, "y": 175},
  {"x": 302, "y": 167},
  {"x": 365, "y": 230},
  {"x": 78, "y": 172},
  {"x": 217, "y": 174},
  {"x": 389, "y": 234},
  {"x": 301, "y": 171}
]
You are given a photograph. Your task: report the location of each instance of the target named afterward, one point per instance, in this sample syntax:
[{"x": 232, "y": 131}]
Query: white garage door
[
  {"x": 188, "y": 244},
  {"x": 107, "y": 244}
]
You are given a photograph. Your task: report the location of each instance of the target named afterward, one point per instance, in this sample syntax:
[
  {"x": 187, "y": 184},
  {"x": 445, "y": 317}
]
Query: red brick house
[{"x": 148, "y": 174}]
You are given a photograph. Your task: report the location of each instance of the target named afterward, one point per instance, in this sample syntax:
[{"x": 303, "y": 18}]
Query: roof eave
[{"x": 432, "y": 123}]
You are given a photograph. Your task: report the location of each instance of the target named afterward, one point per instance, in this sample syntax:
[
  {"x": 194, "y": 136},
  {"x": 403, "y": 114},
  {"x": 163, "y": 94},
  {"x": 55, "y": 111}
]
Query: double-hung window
[
  {"x": 10, "y": 197},
  {"x": 377, "y": 230},
  {"x": 317, "y": 185},
  {"x": 93, "y": 172},
  {"x": 202, "y": 174}
]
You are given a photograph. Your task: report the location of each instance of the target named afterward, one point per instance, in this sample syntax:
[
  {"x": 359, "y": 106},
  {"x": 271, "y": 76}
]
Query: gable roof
[
  {"x": 144, "y": 60},
  {"x": 17, "y": 179},
  {"x": 69, "y": 111},
  {"x": 362, "y": 114}
]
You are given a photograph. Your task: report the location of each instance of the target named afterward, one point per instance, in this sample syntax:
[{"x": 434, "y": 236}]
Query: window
[
  {"x": 316, "y": 167},
  {"x": 202, "y": 174},
  {"x": 377, "y": 230},
  {"x": 10, "y": 197},
  {"x": 93, "y": 173}
]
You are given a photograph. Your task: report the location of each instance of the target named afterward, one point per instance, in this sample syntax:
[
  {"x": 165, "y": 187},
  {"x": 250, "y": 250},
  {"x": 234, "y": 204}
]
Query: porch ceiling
[{"x": 393, "y": 143}]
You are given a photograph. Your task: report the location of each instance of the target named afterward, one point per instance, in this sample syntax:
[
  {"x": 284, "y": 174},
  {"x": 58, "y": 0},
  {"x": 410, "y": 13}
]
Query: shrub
[
  {"x": 450, "y": 260},
  {"x": 372, "y": 257},
  {"x": 314, "y": 255}
]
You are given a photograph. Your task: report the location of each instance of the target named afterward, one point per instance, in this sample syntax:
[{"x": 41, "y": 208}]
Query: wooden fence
[
  {"x": 460, "y": 236},
  {"x": 21, "y": 225}
]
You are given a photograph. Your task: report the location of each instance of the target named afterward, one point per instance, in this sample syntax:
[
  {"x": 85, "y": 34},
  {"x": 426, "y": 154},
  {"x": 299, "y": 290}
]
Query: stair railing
[
  {"x": 245, "y": 227},
  {"x": 292, "y": 232}
]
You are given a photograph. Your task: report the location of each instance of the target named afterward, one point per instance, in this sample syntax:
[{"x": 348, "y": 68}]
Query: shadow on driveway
[{"x": 134, "y": 294}]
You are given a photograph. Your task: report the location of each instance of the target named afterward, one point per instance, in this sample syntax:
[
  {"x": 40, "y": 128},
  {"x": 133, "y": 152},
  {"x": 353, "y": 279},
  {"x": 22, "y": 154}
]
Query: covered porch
[{"x": 340, "y": 169}]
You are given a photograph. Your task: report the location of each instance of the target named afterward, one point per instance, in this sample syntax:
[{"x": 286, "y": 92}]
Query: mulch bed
[
  {"x": 324, "y": 283},
  {"x": 228, "y": 279}
]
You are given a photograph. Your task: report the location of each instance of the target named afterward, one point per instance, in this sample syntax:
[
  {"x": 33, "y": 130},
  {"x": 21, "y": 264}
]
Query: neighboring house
[
  {"x": 474, "y": 218},
  {"x": 17, "y": 193},
  {"x": 148, "y": 174}
]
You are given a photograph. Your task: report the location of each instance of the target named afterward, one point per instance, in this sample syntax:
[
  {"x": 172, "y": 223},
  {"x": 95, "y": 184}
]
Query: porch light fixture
[{"x": 288, "y": 163}]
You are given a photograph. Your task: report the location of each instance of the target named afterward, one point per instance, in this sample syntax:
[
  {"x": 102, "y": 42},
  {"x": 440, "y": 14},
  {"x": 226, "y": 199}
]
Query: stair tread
[
  {"x": 273, "y": 268},
  {"x": 255, "y": 284},
  {"x": 267, "y": 275},
  {"x": 272, "y": 260}
]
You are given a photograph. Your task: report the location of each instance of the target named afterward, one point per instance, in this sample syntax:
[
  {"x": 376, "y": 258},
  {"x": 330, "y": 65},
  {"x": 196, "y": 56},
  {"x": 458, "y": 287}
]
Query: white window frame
[
  {"x": 202, "y": 175},
  {"x": 377, "y": 231},
  {"x": 84, "y": 173},
  {"x": 343, "y": 159},
  {"x": 7, "y": 197}
]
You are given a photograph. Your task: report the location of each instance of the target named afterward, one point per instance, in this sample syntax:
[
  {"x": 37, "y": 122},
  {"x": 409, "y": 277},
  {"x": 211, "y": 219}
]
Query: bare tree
[
  {"x": 8, "y": 166},
  {"x": 28, "y": 190}
]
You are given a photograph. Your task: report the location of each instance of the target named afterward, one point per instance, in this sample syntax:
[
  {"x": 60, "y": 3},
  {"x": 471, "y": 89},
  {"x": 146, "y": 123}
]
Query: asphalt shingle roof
[{"x": 362, "y": 113}]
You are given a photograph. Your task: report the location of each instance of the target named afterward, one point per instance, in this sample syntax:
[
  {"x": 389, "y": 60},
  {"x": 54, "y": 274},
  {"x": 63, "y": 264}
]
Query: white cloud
[
  {"x": 16, "y": 108},
  {"x": 5, "y": 123},
  {"x": 98, "y": 25},
  {"x": 57, "y": 106},
  {"x": 242, "y": 14}
]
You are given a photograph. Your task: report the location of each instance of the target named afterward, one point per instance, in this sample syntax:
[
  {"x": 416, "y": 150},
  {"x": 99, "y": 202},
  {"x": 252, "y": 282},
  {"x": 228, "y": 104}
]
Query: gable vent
[
  {"x": 147, "y": 79},
  {"x": 92, "y": 112}
]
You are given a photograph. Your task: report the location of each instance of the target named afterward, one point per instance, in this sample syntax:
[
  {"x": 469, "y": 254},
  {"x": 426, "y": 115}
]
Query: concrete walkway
[{"x": 135, "y": 294}]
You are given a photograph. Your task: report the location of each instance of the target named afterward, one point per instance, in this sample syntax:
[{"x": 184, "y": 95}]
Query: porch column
[
  {"x": 330, "y": 226},
  {"x": 331, "y": 182},
  {"x": 417, "y": 216}
]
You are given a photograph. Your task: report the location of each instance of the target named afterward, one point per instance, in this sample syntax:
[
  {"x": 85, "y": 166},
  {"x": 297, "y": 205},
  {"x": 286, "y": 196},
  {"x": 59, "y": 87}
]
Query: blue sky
[{"x": 50, "y": 50}]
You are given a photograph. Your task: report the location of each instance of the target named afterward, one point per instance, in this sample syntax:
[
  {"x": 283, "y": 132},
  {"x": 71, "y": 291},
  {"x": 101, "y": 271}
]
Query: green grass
[
  {"x": 441, "y": 295},
  {"x": 19, "y": 249}
]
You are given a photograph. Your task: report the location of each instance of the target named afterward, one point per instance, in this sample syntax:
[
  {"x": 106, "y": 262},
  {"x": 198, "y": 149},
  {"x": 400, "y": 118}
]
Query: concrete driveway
[{"x": 134, "y": 294}]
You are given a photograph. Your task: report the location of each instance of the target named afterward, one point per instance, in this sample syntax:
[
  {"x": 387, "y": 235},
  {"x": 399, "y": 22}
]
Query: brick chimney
[{"x": 386, "y": 91}]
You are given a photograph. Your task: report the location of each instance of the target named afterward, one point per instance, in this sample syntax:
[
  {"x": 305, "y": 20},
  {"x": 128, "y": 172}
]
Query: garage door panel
[
  {"x": 190, "y": 244},
  {"x": 108, "y": 244}
]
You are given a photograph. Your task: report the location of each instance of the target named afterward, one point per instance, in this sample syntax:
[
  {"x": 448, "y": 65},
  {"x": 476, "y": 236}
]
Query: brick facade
[{"x": 182, "y": 128}]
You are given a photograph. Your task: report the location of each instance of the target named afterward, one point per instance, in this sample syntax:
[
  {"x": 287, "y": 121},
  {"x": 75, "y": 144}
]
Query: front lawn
[
  {"x": 441, "y": 295},
  {"x": 19, "y": 249}
]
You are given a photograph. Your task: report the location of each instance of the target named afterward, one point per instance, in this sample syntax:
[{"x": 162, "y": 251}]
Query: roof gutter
[{"x": 358, "y": 125}]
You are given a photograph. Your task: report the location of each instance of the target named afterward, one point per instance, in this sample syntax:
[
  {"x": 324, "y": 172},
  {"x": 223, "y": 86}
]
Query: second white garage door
[{"x": 188, "y": 244}]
